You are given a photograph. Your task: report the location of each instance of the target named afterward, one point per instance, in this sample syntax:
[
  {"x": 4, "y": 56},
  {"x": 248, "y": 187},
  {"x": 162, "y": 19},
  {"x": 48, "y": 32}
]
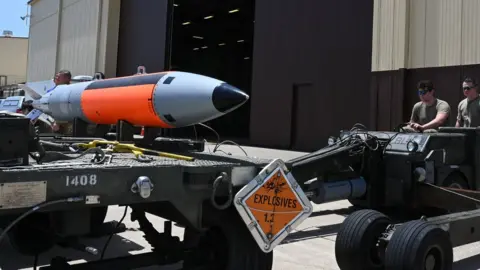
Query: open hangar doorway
[{"x": 215, "y": 38}]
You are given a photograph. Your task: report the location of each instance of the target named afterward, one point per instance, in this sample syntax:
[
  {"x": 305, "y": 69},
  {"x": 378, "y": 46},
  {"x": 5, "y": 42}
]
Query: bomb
[{"x": 170, "y": 99}]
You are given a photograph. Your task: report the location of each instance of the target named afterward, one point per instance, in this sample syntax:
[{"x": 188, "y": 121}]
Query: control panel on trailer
[
  {"x": 380, "y": 169},
  {"x": 409, "y": 142},
  {"x": 433, "y": 179}
]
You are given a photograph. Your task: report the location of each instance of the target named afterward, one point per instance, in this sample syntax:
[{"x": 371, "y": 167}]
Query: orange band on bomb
[{"x": 133, "y": 104}]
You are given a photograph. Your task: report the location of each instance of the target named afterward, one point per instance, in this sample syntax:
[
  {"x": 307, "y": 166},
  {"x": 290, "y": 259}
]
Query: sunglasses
[
  {"x": 466, "y": 88},
  {"x": 422, "y": 92}
]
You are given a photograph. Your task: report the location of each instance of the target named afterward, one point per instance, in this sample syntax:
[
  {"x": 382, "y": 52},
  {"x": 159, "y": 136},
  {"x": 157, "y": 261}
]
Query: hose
[{"x": 35, "y": 209}]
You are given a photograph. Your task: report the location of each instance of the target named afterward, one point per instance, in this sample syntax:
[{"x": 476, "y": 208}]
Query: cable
[
  {"x": 35, "y": 209},
  {"x": 211, "y": 129},
  {"x": 49, "y": 156},
  {"x": 195, "y": 132},
  {"x": 228, "y": 141},
  {"x": 219, "y": 143},
  {"x": 35, "y": 262},
  {"x": 113, "y": 232}
]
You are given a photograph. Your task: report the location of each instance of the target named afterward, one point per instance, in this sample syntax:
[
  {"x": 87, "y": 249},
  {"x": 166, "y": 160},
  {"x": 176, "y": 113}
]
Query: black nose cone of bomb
[{"x": 226, "y": 97}]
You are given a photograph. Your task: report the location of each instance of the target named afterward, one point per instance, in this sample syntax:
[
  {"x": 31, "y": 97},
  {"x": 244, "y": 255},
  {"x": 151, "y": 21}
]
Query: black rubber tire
[
  {"x": 235, "y": 248},
  {"x": 413, "y": 241},
  {"x": 456, "y": 180},
  {"x": 355, "y": 246}
]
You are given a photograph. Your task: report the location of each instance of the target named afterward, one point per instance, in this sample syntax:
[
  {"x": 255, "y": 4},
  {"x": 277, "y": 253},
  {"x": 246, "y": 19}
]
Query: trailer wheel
[
  {"x": 226, "y": 245},
  {"x": 357, "y": 245},
  {"x": 419, "y": 245},
  {"x": 456, "y": 180}
]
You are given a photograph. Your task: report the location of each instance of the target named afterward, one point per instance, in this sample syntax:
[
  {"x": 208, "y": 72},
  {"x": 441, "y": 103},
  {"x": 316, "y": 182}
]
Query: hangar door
[
  {"x": 143, "y": 36},
  {"x": 311, "y": 71}
]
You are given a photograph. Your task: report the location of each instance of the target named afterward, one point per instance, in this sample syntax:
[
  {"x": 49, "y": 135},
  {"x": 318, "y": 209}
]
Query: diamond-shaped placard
[{"x": 272, "y": 205}]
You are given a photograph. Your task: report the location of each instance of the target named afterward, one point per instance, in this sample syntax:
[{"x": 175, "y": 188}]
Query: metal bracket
[{"x": 143, "y": 186}]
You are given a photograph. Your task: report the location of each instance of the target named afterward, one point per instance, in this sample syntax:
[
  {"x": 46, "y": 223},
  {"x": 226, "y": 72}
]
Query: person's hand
[
  {"x": 55, "y": 127},
  {"x": 416, "y": 126}
]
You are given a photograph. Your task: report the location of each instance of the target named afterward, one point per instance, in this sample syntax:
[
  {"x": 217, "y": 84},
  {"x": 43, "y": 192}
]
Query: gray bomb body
[{"x": 176, "y": 98}]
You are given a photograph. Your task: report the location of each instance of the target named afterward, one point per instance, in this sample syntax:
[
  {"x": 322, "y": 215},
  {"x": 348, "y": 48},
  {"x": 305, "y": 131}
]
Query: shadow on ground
[
  {"x": 318, "y": 231},
  {"x": 118, "y": 246},
  {"x": 342, "y": 212},
  {"x": 471, "y": 263},
  {"x": 314, "y": 232}
]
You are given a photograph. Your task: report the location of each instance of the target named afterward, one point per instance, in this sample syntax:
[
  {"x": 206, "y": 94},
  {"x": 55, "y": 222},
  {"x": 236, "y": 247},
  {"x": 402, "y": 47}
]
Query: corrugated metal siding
[
  {"x": 431, "y": 33},
  {"x": 385, "y": 34},
  {"x": 389, "y": 34},
  {"x": 13, "y": 59},
  {"x": 450, "y": 38},
  {"x": 416, "y": 40},
  {"x": 43, "y": 40},
  {"x": 84, "y": 31},
  {"x": 400, "y": 30},
  {"x": 108, "y": 38},
  {"x": 42, "y": 10},
  {"x": 439, "y": 33},
  {"x": 471, "y": 32},
  {"x": 78, "y": 36}
]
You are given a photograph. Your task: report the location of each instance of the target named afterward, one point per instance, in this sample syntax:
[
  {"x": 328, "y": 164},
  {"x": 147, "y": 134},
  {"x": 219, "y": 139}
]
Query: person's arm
[
  {"x": 442, "y": 116},
  {"x": 459, "y": 122},
  {"x": 414, "y": 116}
]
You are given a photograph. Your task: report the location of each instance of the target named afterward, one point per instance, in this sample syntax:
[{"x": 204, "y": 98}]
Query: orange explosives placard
[{"x": 274, "y": 205}]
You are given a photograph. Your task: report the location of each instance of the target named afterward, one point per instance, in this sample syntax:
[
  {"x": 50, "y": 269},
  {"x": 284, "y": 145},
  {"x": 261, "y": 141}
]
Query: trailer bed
[{"x": 111, "y": 184}]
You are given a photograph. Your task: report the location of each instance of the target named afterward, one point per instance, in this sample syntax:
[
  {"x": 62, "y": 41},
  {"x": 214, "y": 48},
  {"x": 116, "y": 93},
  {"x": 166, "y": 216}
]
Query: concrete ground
[{"x": 309, "y": 247}]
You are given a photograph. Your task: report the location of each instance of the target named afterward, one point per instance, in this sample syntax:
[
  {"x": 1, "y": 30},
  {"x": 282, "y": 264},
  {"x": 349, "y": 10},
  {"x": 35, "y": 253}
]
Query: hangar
[
  {"x": 285, "y": 54},
  {"x": 311, "y": 67}
]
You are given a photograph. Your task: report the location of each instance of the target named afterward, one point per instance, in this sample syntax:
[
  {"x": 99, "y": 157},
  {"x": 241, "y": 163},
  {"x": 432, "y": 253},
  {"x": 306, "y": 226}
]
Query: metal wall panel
[
  {"x": 78, "y": 35},
  {"x": 13, "y": 55},
  {"x": 450, "y": 30},
  {"x": 390, "y": 32},
  {"x": 425, "y": 33},
  {"x": 42, "y": 40},
  {"x": 142, "y": 36},
  {"x": 470, "y": 32},
  {"x": 400, "y": 33},
  {"x": 108, "y": 38},
  {"x": 430, "y": 49},
  {"x": 296, "y": 50},
  {"x": 79, "y": 30},
  {"x": 416, "y": 40},
  {"x": 43, "y": 9}
]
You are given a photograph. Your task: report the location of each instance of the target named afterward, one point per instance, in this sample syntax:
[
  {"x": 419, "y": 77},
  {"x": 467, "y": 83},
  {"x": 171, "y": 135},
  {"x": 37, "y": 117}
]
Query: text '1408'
[{"x": 81, "y": 180}]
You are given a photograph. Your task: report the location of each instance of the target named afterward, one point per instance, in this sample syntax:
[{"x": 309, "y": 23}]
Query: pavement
[{"x": 309, "y": 247}]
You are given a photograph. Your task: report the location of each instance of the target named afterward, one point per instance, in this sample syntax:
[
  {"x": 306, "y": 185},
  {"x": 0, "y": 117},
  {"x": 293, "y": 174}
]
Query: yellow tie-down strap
[{"x": 131, "y": 148}]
